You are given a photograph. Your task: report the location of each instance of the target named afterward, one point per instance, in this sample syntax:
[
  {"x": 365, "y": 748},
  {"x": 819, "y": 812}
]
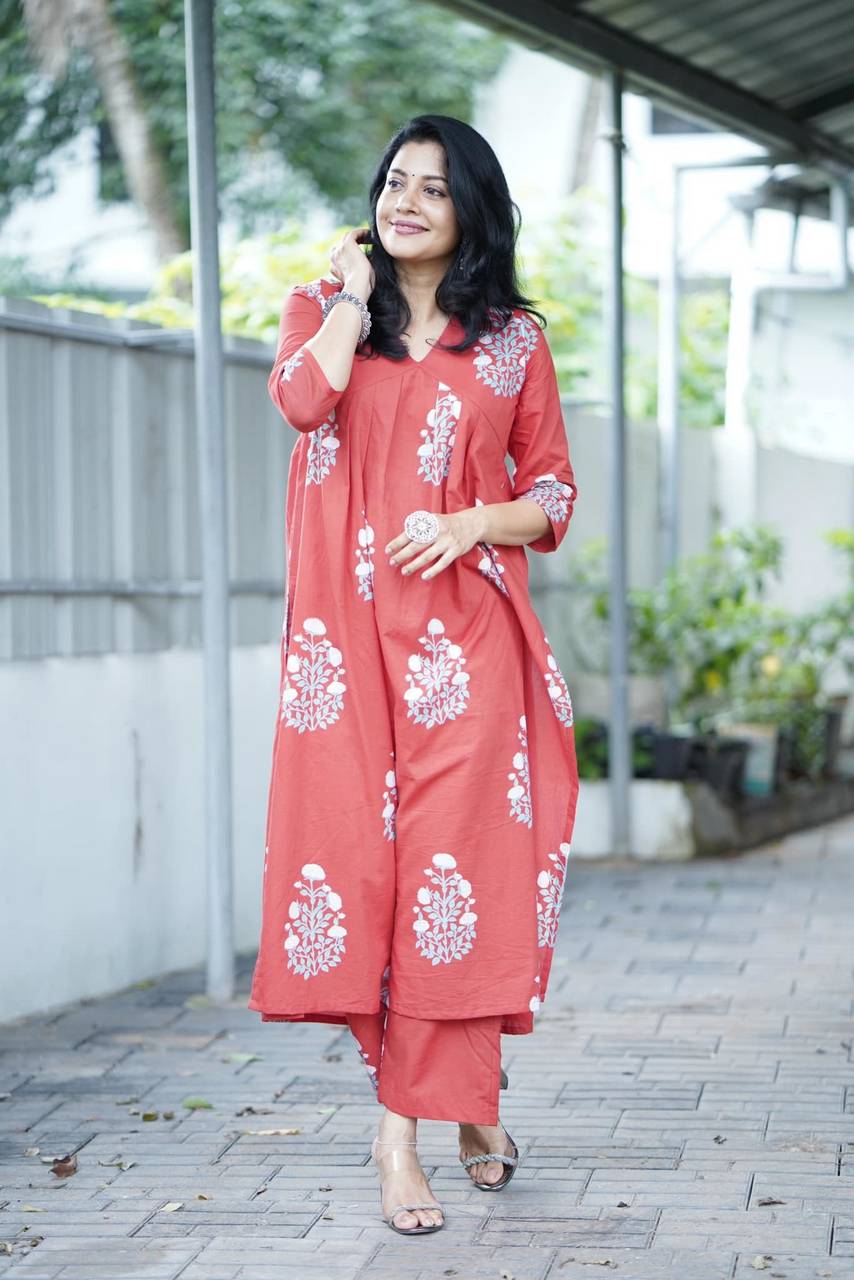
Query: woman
[{"x": 423, "y": 785}]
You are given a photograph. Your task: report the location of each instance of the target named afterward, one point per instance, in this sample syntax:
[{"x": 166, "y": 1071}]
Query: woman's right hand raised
[{"x": 351, "y": 265}]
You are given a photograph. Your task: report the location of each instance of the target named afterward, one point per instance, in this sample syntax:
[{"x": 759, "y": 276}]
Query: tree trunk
[{"x": 53, "y": 25}]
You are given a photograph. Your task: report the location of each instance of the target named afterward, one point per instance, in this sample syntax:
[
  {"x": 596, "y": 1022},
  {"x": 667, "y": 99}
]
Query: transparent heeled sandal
[
  {"x": 391, "y": 1162},
  {"x": 511, "y": 1162}
]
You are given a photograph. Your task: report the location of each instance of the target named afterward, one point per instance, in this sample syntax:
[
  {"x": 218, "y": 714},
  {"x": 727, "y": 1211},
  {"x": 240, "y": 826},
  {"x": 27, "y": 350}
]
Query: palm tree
[{"x": 55, "y": 27}]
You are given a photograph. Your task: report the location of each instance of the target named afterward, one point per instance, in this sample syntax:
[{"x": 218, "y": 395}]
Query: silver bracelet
[{"x": 344, "y": 295}]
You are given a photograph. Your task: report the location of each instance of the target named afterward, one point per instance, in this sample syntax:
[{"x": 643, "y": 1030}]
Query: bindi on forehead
[{"x": 431, "y": 177}]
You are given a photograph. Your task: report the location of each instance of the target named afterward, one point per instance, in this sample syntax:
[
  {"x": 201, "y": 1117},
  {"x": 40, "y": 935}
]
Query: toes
[{"x": 406, "y": 1220}]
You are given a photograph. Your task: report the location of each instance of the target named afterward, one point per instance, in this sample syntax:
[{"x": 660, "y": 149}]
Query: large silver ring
[{"x": 421, "y": 526}]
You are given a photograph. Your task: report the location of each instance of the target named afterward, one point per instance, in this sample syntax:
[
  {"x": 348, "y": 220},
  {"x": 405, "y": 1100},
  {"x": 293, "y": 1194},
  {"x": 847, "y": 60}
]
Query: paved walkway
[{"x": 685, "y": 1108}]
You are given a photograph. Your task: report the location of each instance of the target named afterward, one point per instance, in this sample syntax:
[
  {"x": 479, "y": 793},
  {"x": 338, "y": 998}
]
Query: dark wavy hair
[{"x": 480, "y": 287}]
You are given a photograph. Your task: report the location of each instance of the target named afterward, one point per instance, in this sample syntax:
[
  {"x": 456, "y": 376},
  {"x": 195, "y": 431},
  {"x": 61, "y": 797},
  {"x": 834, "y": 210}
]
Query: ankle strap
[{"x": 394, "y": 1142}]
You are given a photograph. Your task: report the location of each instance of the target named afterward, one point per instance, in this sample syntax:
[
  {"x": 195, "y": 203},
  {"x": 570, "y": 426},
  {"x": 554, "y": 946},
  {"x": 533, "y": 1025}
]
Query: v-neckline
[{"x": 432, "y": 348}]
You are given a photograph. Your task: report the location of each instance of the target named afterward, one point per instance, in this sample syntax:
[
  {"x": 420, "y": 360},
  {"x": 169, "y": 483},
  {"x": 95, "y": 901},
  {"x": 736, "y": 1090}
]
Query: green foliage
[
  {"x": 309, "y": 92},
  {"x": 37, "y": 117},
  {"x": 732, "y": 654},
  {"x": 564, "y": 276},
  {"x": 703, "y": 330}
]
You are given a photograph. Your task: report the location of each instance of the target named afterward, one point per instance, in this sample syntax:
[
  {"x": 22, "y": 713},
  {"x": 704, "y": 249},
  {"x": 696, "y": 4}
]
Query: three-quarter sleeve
[
  {"x": 538, "y": 446},
  {"x": 298, "y": 386}
]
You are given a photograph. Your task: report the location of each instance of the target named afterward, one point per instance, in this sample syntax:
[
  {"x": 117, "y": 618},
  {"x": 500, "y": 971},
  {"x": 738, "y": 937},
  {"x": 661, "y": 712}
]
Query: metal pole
[
  {"x": 668, "y": 386},
  {"x": 619, "y": 734},
  {"x": 210, "y": 431}
]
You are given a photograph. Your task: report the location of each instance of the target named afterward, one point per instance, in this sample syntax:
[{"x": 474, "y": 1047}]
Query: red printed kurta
[{"x": 424, "y": 782}]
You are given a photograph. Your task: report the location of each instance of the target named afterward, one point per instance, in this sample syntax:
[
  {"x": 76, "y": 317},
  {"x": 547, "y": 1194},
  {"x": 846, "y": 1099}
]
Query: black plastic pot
[
  {"x": 832, "y": 731},
  {"x": 724, "y": 766},
  {"x": 672, "y": 754},
  {"x": 783, "y": 756}
]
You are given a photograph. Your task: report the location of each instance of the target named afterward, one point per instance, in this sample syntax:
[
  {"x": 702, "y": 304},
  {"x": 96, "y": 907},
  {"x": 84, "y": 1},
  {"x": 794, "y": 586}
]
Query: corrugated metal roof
[{"x": 779, "y": 71}]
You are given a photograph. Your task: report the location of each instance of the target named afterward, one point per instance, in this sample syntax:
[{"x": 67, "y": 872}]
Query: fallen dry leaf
[
  {"x": 118, "y": 1163},
  {"x": 249, "y": 1110},
  {"x": 65, "y": 1166},
  {"x": 272, "y": 1133},
  {"x": 171, "y": 1206},
  {"x": 31, "y": 1208},
  {"x": 760, "y": 1262},
  {"x": 770, "y": 1200},
  {"x": 32, "y": 1151}
]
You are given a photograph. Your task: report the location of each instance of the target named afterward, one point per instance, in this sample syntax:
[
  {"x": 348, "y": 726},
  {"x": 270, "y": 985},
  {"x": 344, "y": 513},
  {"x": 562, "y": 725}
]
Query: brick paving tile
[{"x": 685, "y": 1108}]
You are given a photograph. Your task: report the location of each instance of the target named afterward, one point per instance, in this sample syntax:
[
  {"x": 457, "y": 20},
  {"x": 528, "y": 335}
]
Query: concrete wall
[{"x": 101, "y": 795}]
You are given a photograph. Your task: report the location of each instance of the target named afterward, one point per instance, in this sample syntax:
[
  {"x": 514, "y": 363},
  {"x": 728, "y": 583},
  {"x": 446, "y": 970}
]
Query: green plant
[
  {"x": 733, "y": 655},
  {"x": 591, "y": 748}
]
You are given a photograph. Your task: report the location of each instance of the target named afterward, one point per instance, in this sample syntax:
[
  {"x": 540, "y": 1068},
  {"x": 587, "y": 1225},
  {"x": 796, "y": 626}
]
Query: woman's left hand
[{"x": 458, "y": 533}]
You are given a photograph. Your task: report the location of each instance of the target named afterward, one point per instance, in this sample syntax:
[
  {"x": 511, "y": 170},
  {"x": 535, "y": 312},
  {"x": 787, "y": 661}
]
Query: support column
[
  {"x": 210, "y": 428},
  {"x": 619, "y": 730}
]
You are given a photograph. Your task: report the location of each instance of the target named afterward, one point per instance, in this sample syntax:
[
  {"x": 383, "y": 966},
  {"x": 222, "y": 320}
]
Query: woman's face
[{"x": 416, "y": 194}]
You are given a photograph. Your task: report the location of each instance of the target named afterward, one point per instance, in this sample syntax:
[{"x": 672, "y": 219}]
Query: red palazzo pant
[{"x": 432, "y": 1068}]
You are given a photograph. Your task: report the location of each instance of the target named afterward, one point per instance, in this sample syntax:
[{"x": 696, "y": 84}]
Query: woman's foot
[
  {"x": 476, "y": 1140},
  {"x": 403, "y": 1181}
]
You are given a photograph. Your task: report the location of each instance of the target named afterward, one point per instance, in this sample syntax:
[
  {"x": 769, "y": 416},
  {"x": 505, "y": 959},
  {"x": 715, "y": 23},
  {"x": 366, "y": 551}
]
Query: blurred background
[{"x": 738, "y": 432}]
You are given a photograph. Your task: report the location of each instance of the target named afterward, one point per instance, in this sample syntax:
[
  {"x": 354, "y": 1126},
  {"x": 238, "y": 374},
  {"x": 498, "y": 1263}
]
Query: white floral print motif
[
  {"x": 389, "y": 813},
  {"x": 491, "y": 567},
  {"x": 550, "y": 885},
  {"x": 445, "y": 923},
  {"x": 519, "y": 794},
  {"x": 438, "y": 687},
  {"x": 503, "y": 356},
  {"x": 489, "y": 563},
  {"x": 313, "y": 693},
  {"x": 372, "y": 1071},
  {"x": 535, "y": 1002},
  {"x": 315, "y": 935},
  {"x": 552, "y": 495},
  {"x": 558, "y": 692},
  {"x": 323, "y": 445},
  {"x": 310, "y": 290},
  {"x": 364, "y": 570},
  {"x": 439, "y": 436},
  {"x": 291, "y": 365}
]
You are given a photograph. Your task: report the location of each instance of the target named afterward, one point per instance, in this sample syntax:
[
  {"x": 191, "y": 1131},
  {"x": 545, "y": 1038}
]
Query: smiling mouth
[{"x": 407, "y": 226}]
